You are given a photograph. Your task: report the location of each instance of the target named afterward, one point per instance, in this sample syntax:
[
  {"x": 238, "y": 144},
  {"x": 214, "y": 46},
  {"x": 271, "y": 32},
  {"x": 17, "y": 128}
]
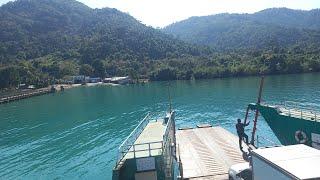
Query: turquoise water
[{"x": 75, "y": 134}]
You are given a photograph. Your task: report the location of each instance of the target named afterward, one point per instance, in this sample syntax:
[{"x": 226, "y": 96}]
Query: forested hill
[
  {"x": 267, "y": 29},
  {"x": 67, "y": 29},
  {"x": 47, "y": 41}
]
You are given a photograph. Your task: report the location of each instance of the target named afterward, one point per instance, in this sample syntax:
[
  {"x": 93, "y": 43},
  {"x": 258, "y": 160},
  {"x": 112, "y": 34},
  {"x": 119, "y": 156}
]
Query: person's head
[{"x": 239, "y": 120}]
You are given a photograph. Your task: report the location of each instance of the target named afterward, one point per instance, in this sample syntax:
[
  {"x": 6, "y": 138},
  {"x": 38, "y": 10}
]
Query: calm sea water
[{"x": 75, "y": 134}]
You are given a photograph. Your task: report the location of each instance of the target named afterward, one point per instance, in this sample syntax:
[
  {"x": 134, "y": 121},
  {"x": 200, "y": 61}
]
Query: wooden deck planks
[{"x": 207, "y": 153}]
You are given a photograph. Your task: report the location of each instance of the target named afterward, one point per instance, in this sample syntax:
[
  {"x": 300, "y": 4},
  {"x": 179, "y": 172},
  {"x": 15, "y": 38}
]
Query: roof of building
[
  {"x": 119, "y": 78},
  {"x": 300, "y": 160}
]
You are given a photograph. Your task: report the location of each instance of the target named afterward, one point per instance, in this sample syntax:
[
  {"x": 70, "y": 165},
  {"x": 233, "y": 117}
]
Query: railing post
[
  {"x": 134, "y": 151},
  {"x": 289, "y": 112},
  {"x": 120, "y": 153}
]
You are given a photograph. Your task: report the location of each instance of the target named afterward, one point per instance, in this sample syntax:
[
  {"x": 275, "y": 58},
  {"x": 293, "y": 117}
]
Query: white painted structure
[
  {"x": 286, "y": 162},
  {"x": 121, "y": 80}
]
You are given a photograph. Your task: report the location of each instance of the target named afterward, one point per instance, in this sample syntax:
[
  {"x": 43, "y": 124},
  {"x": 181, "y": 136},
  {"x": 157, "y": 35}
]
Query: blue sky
[{"x": 159, "y": 13}]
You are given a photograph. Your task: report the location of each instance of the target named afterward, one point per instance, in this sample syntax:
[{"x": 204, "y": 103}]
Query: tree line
[{"x": 45, "y": 71}]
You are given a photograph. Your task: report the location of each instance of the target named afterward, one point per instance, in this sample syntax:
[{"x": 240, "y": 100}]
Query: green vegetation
[
  {"x": 265, "y": 30},
  {"x": 43, "y": 42}
]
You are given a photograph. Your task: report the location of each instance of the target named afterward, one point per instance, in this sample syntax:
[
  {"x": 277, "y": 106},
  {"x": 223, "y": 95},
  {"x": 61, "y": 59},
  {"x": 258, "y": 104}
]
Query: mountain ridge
[
  {"x": 286, "y": 26},
  {"x": 45, "y": 42},
  {"x": 71, "y": 25}
]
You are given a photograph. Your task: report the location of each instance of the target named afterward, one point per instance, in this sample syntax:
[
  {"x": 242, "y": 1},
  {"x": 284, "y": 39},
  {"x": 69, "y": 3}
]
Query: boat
[
  {"x": 291, "y": 122},
  {"x": 149, "y": 152},
  {"x": 156, "y": 150}
]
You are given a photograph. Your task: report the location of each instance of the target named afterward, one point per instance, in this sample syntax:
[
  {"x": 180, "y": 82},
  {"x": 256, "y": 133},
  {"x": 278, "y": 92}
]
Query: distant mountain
[
  {"x": 277, "y": 27},
  {"x": 68, "y": 29},
  {"x": 289, "y": 18},
  {"x": 47, "y": 41}
]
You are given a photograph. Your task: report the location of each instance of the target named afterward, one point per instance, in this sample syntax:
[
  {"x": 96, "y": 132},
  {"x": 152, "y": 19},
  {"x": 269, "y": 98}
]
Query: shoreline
[{"x": 28, "y": 93}]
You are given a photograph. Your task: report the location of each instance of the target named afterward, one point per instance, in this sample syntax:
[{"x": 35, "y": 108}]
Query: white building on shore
[{"x": 118, "y": 80}]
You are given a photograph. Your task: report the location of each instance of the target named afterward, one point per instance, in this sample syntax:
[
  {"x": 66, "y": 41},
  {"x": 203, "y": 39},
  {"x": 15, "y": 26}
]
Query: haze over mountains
[
  {"x": 42, "y": 41},
  {"x": 280, "y": 27}
]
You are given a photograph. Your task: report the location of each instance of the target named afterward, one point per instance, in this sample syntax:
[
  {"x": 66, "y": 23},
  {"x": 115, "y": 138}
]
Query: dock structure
[
  {"x": 208, "y": 152},
  {"x": 24, "y": 95}
]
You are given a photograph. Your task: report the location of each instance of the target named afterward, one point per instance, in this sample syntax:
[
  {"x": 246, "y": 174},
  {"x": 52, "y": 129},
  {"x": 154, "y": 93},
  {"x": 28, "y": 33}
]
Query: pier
[
  {"x": 24, "y": 95},
  {"x": 208, "y": 152}
]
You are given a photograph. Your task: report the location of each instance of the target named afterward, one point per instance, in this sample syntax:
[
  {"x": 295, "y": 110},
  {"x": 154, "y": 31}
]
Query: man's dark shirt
[{"x": 240, "y": 128}]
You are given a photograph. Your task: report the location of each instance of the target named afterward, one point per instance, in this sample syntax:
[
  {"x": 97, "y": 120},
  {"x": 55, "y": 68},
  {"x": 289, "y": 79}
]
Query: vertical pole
[
  {"x": 247, "y": 113},
  {"x": 257, "y": 111},
  {"x": 180, "y": 164},
  {"x": 170, "y": 106},
  {"x": 174, "y": 133},
  {"x": 134, "y": 152}
]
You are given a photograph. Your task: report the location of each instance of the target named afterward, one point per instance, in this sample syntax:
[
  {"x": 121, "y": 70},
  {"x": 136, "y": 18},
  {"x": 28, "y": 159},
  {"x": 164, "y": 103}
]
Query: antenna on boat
[
  {"x": 257, "y": 111},
  {"x": 169, "y": 96}
]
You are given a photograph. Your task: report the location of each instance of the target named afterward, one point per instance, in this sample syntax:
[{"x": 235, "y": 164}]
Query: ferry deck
[{"x": 208, "y": 152}]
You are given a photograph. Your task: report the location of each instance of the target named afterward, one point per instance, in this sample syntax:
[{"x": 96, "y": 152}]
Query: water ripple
[{"x": 75, "y": 134}]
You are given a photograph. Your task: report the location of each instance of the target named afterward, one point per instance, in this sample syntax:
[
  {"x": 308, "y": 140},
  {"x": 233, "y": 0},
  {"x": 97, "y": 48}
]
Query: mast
[{"x": 257, "y": 111}]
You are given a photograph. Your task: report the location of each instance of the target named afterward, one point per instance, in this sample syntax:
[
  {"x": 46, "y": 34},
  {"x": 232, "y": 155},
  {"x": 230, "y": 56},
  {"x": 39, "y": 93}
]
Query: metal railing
[
  {"x": 298, "y": 110},
  {"x": 299, "y": 113},
  {"x": 129, "y": 141},
  {"x": 145, "y": 147},
  {"x": 131, "y": 150},
  {"x": 258, "y": 140},
  {"x": 168, "y": 149}
]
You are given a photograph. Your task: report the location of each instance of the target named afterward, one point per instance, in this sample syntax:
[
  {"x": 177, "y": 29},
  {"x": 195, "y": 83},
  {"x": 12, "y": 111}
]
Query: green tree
[
  {"x": 9, "y": 77},
  {"x": 86, "y": 70},
  {"x": 98, "y": 69}
]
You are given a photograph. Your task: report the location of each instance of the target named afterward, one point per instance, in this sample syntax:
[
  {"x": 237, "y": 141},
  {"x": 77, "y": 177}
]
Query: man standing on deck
[{"x": 240, "y": 130}]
